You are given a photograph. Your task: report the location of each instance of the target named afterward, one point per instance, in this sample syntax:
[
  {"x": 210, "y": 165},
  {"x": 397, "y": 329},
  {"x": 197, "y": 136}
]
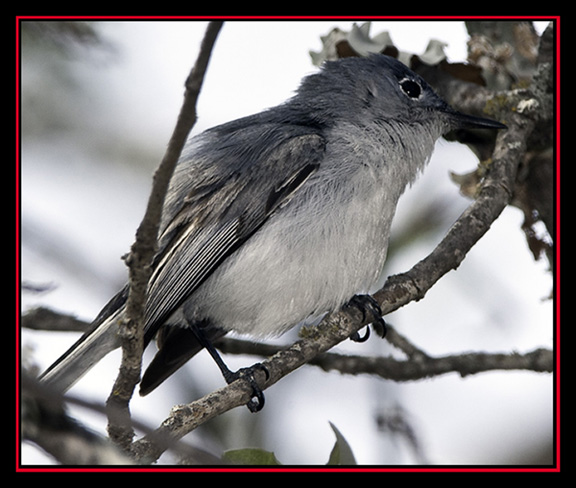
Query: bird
[{"x": 274, "y": 219}]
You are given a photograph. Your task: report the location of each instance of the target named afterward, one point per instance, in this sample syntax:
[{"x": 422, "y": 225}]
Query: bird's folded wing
[{"x": 210, "y": 225}]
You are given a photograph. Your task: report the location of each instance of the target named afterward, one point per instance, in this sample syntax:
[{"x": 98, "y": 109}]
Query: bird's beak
[{"x": 465, "y": 121}]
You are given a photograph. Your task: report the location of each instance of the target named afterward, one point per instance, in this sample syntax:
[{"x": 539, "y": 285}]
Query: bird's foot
[
  {"x": 256, "y": 402},
  {"x": 367, "y": 304}
]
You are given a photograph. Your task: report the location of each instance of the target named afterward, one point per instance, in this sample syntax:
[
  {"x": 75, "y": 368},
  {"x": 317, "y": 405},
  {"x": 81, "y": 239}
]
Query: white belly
[{"x": 300, "y": 264}]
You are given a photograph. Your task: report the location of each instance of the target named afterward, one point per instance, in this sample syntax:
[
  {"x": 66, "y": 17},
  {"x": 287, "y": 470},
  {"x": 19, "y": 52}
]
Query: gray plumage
[{"x": 276, "y": 218}]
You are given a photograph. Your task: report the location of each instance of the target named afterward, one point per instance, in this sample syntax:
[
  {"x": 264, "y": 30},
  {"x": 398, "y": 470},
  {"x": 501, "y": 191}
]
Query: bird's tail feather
[{"x": 101, "y": 339}]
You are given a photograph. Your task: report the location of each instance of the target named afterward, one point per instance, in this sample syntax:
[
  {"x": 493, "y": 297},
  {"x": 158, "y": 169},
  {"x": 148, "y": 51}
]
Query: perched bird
[{"x": 274, "y": 219}]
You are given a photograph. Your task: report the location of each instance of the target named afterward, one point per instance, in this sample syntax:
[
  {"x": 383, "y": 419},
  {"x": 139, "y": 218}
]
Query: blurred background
[{"x": 96, "y": 117}]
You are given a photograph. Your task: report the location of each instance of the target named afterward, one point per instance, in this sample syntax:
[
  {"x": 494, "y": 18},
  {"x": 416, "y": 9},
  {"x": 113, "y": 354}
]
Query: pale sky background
[{"x": 84, "y": 192}]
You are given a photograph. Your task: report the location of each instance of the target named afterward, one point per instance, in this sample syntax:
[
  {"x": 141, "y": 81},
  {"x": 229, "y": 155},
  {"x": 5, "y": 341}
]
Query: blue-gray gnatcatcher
[{"x": 277, "y": 218}]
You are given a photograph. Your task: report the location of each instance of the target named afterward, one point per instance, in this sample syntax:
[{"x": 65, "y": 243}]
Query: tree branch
[
  {"x": 142, "y": 252},
  {"x": 495, "y": 193},
  {"x": 418, "y": 364},
  {"x": 539, "y": 360},
  {"x": 41, "y": 318}
]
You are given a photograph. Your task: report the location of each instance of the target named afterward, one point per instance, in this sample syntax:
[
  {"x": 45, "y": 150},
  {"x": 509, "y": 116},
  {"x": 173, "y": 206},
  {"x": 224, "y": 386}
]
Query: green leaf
[
  {"x": 341, "y": 452},
  {"x": 252, "y": 457}
]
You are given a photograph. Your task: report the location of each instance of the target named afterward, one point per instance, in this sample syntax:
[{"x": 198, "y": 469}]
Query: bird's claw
[
  {"x": 366, "y": 303},
  {"x": 256, "y": 402},
  {"x": 356, "y": 337}
]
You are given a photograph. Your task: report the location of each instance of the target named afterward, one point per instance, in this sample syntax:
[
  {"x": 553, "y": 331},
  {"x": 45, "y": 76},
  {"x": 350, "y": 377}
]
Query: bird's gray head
[{"x": 377, "y": 87}]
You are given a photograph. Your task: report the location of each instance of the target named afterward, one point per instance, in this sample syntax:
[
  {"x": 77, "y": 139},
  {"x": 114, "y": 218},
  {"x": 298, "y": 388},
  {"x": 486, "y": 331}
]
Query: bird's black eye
[{"x": 411, "y": 88}]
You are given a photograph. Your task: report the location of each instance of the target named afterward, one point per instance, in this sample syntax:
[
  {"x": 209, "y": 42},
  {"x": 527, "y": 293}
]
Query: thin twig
[
  {"x": 42, "y": 318},
  {"x": 142, "y": 252},
  {"x": 539, "y": 360}
]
